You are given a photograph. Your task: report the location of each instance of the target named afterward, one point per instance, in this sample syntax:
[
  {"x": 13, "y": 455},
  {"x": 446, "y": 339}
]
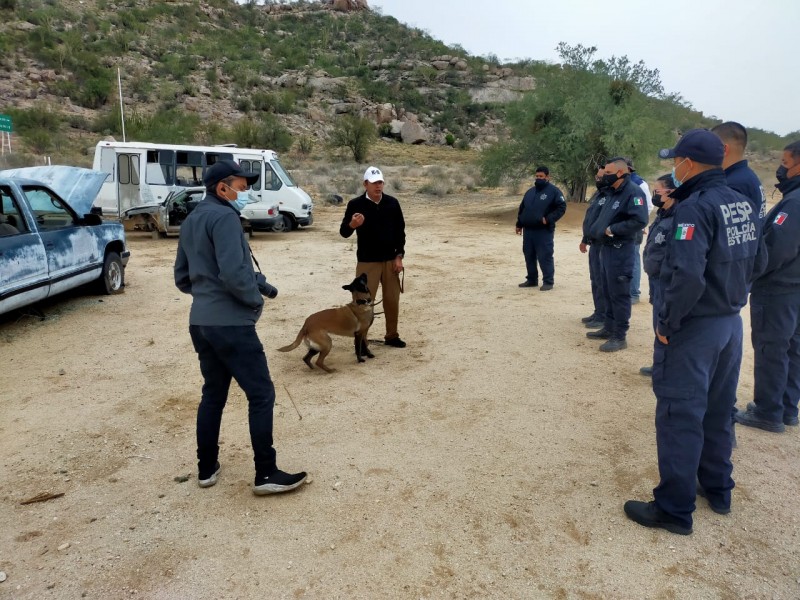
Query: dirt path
[{"x": 489, "y": 459}]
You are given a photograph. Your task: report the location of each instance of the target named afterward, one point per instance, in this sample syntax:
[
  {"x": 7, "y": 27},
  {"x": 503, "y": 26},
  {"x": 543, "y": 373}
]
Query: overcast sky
[{"x": 732, "y": 59}]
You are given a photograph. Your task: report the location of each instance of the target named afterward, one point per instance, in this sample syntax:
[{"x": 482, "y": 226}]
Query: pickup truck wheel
[{"x": 112, "y": 279}]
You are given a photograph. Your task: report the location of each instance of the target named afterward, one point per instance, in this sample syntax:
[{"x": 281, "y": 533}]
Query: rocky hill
[{"x": 197, "y": 68}]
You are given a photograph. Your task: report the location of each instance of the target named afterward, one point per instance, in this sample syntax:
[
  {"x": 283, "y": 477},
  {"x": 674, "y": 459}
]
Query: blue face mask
[
  {"x": 677, "y": 182},
  {"x": 242, "y": 198}
]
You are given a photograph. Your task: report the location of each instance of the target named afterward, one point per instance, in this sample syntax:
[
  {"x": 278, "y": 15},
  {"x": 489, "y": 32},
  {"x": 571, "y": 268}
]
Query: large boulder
[
  {"x": 413, "y": 133},
  {"x": 384, "y": 113}
]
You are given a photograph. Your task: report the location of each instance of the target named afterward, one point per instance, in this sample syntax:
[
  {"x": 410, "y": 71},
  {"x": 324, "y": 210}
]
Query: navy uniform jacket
[
  {"x": 742, "y": 178},
  {"x": 656, "y": 247},
  {"x": 213, "y": 264},
  {"x": 711, "y": 253},
  {"x": 547, "y": 203},
  {"x": 624, "y": 212},
  {"x": 382, "y": 236},
  {"x": 781, "y": 236},
  {"x": 595, "y": 204}
]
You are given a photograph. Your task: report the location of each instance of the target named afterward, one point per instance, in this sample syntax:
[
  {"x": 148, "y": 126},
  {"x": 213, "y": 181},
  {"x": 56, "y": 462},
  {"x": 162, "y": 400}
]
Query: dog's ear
[
  {"x": 348, "y": 287},
  {"x": 363, "y": 276}
]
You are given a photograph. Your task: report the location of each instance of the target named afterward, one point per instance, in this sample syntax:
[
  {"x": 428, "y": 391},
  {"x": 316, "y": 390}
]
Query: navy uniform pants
[
  {"x": 655, "y": 299},
  {"x": 227, "y": 353},
  {"x": 776, "y": 344},
  {"x": 694, "y": 379},
  {"x": 595, "y": 275},
  {"x": 537, "y": 246},
  {"x": 617, "y": 266}
]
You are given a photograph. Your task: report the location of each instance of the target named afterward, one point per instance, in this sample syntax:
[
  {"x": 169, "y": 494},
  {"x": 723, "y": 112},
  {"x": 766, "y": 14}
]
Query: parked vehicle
[
  {"x": 144, "y": 174},
  {"x": 50, "y": 240},
  {"x": 165, "y": 218}
]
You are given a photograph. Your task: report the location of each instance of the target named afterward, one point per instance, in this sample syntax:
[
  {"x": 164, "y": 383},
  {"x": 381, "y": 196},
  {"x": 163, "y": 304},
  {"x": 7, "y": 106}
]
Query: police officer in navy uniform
[
  {"x": 698, "y": 351},
  {"x": 775, "y": 309},
  {"x": 737, "y": 172},
  {"x": 622, "y": 216},
  {"x": 597, "y": 318},
  {"x": 541, "y": 206}
]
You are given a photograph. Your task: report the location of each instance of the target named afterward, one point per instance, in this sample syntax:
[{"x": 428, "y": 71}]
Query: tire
[
  {"x": 112, "y": 279},
  {"x": 284, "y": 225}
]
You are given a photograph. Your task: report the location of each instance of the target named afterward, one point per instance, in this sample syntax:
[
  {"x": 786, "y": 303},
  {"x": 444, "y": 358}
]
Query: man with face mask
[
  {"x": 622, "y": 217},
  {"x": 710, "y": 259},
  {"x": 541, "y": 206},
  {"x": 214, "y": 265},
  {"x": 775, "y": 309},
  {"x": 596, "y": 202}
]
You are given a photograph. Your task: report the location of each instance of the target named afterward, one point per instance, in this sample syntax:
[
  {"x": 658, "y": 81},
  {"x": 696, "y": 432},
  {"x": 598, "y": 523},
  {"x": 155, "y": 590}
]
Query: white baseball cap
[{"x": 373, "y": 174}]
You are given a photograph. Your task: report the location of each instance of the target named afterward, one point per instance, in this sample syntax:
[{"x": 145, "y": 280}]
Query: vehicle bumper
[
  {"x": 306, "y": 221},
  {"x": 264, "y": 224}
]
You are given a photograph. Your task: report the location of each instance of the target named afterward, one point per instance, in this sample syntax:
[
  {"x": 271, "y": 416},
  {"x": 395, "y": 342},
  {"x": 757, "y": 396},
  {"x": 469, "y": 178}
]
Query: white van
[{"x": 142, "y": 174}]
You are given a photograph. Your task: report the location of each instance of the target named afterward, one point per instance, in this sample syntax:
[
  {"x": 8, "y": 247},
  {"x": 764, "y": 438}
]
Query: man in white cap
[{"x": 381, "y": 230}]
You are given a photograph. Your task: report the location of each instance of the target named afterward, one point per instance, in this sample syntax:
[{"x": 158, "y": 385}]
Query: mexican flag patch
[
  {"x": 780, "y": 218},
  {"x": 685, "y": 231},
  {"x": 637, "y": 202}
]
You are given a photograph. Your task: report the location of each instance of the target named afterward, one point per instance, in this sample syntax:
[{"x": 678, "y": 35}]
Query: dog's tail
[{"x": 297, "y": 341}]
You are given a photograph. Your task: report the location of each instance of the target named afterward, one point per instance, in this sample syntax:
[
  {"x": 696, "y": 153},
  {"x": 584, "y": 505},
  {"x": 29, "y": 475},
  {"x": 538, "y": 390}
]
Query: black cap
[
  {"x": 222, "y": 169},
  {"x": 701, "y": 145}
]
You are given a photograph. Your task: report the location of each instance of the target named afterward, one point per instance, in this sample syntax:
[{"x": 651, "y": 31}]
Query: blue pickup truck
[{"x": 50, "y": 240}]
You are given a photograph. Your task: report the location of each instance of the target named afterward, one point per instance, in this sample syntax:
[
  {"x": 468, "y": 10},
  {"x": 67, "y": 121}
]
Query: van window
[
  {"x": 10, "y": 215},
  {"x": 188, "y": 168},
  {"x": 161, "y": 167},
  {"x": 107, "y": 156},
  {"x": 283, "y": 173},
  {"x": 271, "y": 180},
  {"x": 128, "y": 169},
  {"x": 255, "y": 167},
  {"x": 213, "y": 157}
]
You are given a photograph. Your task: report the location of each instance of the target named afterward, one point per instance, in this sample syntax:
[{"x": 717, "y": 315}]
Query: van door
[
  {"x": 128, "y": 181},
  {"x": 23, "y": 278}
]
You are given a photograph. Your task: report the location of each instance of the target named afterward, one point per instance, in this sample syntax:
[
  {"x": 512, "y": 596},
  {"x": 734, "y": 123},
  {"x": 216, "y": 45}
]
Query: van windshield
[{"x": 282, "y": 173}]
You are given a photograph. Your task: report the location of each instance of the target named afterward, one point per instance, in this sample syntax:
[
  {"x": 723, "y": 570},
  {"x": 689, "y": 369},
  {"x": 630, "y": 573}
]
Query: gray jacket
[{"x": 214, "y": 266}]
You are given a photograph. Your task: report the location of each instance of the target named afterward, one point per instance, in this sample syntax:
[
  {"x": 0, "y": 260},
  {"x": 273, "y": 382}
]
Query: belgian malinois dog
[{"x": 353, "y": 319}]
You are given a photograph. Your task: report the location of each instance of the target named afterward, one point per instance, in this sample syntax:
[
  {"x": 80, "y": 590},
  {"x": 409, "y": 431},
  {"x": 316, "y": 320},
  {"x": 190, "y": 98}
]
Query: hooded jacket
[
  {"x": 213, "y": 264},
  {"x": 710, "y": 254},
  {"x": 781, "y": 235}
]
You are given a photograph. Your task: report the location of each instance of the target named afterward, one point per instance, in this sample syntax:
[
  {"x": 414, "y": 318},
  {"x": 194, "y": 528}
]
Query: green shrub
[
  {"x": 265, "y": 132},
  {"x": 305, "y": 144},
  {"x": 450, "y": 139},
  {"x": 356, "y": 134}
]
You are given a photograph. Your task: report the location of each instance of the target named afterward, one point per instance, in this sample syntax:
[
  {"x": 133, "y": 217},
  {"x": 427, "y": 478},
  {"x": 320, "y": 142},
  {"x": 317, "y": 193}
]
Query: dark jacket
[
  {"x": 624, "y": 211},
  {"x": 592, "y": 212},
  {"x": 656, "y": 247},
  {"x": 710, "y": 254},
  {"x": 741, "y": 178},
  {"x": 214, "y": 266},
  {"x": 547, "y": 203},
  {"x": 781, "y": 235},
  {"x": 382, "y": 236}
]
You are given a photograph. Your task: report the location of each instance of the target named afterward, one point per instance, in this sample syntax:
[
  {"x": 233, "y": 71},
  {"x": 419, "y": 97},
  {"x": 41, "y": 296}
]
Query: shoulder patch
[
  {"x": 685, "y": 231},
  {"x": 780, "y": 218},
  {"x": 637, "y": 201}
]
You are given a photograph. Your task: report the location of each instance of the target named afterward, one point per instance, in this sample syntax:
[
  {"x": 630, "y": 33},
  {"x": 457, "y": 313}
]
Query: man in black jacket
[
  {"x": 214, "y": 266},
  {"x": 621, "y": 218},
  {"x": 381, "y": 230},
  {"x": 541, "y": 206},
  {"x": 775, "y": 309}
]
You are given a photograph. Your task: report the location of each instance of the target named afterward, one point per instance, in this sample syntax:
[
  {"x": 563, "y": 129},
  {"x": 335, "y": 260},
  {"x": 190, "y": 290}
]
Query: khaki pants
[{"x": 382, "y": 273}]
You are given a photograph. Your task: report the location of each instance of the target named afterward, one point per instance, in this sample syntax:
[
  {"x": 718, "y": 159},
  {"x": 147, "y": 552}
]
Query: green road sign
[{"x": 5, "y": 123}]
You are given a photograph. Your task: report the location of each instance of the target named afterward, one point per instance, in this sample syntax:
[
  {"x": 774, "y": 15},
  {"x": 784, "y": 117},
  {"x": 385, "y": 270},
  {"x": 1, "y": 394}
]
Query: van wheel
[
  {"x": 112, "y": 279},
  {"x": 284, "y": 225}
]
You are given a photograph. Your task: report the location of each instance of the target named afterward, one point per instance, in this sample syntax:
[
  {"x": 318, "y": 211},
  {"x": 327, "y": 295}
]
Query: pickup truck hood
[{"x": 77, "y": 186}]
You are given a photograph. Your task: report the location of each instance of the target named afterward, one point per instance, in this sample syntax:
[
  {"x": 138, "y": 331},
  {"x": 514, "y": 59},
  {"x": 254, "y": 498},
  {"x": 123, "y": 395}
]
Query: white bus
[{"x": 141, "y": 174}]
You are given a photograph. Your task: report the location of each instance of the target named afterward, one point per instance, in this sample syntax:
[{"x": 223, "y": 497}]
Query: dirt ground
[{"x": 488, "y": 459}]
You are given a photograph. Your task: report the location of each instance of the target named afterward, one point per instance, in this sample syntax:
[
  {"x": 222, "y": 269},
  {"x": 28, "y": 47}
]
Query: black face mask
[
  {"x": 598, "y": 184},
  {"x": 658, "y": 200},
  {"x": 608, "y": 179},
  {"x": 539, "y": 183},
  {"x": 781, "y": 174}
]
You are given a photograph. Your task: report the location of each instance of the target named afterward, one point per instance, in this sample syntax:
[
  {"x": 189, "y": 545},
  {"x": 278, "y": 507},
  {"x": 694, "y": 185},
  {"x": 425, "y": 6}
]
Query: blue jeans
[
  {"x": 537, "y": 246},
  {"x": 227, "y": 353}
]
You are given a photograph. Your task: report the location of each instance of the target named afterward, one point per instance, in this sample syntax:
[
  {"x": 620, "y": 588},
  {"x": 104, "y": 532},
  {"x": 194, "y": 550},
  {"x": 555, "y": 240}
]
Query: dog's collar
[{"x": 362, "y": 301}]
